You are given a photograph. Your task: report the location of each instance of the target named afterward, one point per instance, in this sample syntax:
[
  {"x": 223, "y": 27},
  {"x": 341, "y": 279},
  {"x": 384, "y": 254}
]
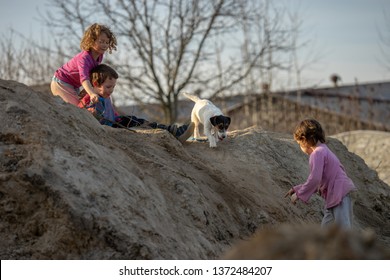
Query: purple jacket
[
  {"x": 327, "y": 176},
  {"x": 77, "y": 70}
]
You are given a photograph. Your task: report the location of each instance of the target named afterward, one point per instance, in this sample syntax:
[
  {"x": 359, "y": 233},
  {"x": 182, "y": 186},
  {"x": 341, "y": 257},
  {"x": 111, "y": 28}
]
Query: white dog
[{"x": 215, "y": 124}]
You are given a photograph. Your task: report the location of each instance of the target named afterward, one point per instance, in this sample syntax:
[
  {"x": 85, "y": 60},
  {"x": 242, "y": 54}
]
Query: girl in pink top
[
  {"x": 67, "y": 80},
  {"x": 327, "y": 176}
]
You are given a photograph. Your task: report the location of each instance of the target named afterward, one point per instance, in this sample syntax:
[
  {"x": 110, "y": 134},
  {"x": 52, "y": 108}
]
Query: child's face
[
  {"x": 305, "y": 147},
  {"x": 106, "y": 89},
  {"x": 101, "y": 44}
]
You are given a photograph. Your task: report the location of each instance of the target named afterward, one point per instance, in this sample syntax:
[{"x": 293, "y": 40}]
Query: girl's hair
[
  {"x": 101, "y": 73},
  {"x": 91, "y": 35},
  {"x": 310, "y": 132}
]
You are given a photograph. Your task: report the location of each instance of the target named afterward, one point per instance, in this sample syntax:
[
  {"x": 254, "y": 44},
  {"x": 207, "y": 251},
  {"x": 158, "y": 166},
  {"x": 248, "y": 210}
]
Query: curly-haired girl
[
  {"x": 67, "y": 80},
  {"x": 327, "y": 176}
]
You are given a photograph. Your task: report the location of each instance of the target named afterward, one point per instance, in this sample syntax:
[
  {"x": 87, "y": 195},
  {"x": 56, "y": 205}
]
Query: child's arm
[
  {"x": 94, "y": 97},
  {"x": 85, "y": 102},
  {"x": 306, "y": 190}
]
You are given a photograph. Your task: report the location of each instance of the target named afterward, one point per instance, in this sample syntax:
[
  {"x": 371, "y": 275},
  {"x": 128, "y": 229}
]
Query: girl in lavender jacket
[
  {"x": 67, "y": 80},
  {"x": 327, "y": 176}
]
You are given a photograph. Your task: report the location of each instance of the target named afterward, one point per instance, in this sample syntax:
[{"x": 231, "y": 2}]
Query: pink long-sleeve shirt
[
  {"x": 77, "y": 70},
  {"x": 327, "y": 175}
]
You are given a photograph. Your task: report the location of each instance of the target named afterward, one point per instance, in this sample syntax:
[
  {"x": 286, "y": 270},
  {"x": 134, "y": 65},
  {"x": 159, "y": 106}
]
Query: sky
[
  {"x": 346, "y": 35},
  {"x": 343, "y": 34}
]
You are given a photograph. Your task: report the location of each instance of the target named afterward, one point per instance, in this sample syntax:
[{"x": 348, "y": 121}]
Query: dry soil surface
[{"x": 71, "y": 188}]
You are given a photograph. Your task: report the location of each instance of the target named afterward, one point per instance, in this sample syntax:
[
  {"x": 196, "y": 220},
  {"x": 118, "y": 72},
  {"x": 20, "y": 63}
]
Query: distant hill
[{"x": 372, "y": 146}]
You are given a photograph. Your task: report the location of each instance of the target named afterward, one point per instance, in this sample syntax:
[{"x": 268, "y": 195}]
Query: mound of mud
[{"x": 73, "y": 189}]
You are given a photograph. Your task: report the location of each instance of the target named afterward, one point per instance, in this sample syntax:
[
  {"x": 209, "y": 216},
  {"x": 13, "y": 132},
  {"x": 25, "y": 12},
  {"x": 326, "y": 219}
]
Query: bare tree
[
  {"x": 25, "y": 59},
  {"x": 38, "y": 63},
  {"x": 9, "y": 67},
  {"x": 167, "y": 46},
  {"x": 384, "y": 37}
]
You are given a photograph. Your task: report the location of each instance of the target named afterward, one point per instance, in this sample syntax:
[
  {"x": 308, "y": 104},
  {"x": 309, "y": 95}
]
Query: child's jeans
[
  {"x": 340, "y": 214},
  {"x": 130, "y": 121}
]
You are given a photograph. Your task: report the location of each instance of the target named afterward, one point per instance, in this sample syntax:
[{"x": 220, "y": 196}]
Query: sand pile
[{"x": 73, "y": 189}]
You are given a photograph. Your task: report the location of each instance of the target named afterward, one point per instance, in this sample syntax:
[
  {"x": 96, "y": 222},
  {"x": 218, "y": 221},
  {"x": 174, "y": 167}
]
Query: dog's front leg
[
  {"x": 207, "y": 130},
  {"x": 211, "y": 138}
]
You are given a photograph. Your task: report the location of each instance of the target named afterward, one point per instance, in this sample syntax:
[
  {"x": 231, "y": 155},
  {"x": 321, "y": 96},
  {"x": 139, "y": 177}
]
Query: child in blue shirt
[{"x": 103, "y": 79}]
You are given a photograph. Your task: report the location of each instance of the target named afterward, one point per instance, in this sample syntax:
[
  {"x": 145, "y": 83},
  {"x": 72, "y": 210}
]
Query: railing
[{"x": 277, "y": 113}]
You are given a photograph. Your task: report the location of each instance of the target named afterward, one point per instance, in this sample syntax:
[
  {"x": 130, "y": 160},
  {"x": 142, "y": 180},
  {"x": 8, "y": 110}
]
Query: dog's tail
[{"x": 190, "y": 96}]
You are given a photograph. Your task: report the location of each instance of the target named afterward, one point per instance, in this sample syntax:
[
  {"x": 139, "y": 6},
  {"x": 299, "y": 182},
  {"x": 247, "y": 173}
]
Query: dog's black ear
[
  {"x": 213, "y": 120},
  {"x": 228, "y": 120}
]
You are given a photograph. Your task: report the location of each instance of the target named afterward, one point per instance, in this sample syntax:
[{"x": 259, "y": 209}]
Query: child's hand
[
  {"x": 290, "y": 192},
  {"x": 294, "y": 198},
  {"x": 293, "y": 195},
  {"x": 92, "y": 110},
  {"x": 94, "y": 98}
]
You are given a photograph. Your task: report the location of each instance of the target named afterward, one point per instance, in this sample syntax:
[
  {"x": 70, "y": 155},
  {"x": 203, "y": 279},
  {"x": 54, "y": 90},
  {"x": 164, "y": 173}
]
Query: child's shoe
[
  {"x": 184, "y": 132},
  {"x": 172, "y": 129}
]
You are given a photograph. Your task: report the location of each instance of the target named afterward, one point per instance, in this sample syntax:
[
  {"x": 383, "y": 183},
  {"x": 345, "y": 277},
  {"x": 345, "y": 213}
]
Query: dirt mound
[
  {"x": 73, "y": 189},
  {"x": 309, "y": 242},
  {"x": 373, "y": 147}
]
